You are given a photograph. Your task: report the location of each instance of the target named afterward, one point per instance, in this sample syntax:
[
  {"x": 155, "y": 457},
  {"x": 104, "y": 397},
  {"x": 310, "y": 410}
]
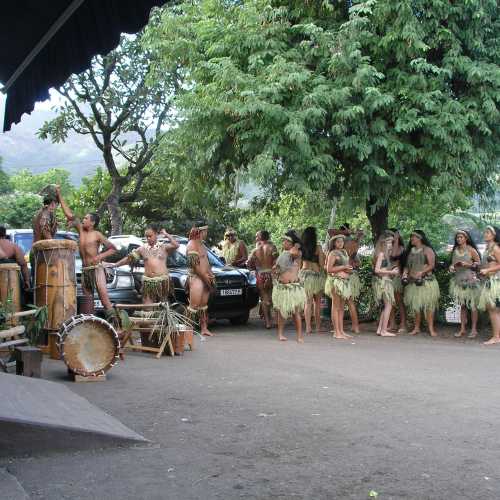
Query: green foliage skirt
[
  {"x": 422, "y": 298},
  {"x": 355, "y": 282},
  {"x": 465, "y": 295},
  {"x": 288, "y": 298},
  {"x": 338, "y": 286},
  {"x": 314, "y": 282},
  {"x": 383, "y": 289},
  {"x": 490, "y": 294}
]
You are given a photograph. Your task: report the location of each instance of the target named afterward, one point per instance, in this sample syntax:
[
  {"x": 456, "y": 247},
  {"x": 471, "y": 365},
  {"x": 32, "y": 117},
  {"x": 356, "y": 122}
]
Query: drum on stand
[
  {"x": 55, "y": 280},
  {"x": 10, "y": 285},
  {"x": 88, "y": 345}
]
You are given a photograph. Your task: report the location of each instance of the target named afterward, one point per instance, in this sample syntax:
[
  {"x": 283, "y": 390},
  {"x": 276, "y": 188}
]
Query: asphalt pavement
[{"x": 247, "y": 417}]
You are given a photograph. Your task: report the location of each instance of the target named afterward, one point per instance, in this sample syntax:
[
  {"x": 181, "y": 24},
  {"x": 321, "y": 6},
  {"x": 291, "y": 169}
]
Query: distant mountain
[{"x": 20, "y": 148}]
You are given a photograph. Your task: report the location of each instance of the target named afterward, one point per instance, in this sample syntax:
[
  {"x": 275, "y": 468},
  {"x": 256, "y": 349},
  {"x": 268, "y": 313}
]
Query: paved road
[{"x": 245, "y": 416}]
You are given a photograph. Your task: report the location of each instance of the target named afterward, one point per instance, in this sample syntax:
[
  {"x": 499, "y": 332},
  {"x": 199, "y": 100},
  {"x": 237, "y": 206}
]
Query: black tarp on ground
[{"x": 94, "y": 28}]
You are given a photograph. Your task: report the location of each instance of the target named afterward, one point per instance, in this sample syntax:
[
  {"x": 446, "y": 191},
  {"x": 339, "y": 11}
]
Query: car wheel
[{"x": 240, "y": 320}]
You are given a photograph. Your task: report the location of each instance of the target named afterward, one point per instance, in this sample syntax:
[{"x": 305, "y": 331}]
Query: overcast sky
[{"x": 21, "y": 148}]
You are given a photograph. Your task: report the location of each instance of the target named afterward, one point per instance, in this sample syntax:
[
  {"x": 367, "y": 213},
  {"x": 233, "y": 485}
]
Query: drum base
[{"x": 78, "y": 378}]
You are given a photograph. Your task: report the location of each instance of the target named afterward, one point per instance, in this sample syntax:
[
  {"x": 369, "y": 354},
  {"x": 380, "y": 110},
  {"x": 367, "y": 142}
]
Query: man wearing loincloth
[
  {"x": 10, "y": 253},
  {"x": 156, "y": 279},
  {"x": 93, "y": 270},
  {"x": 289, "y": 296},
  {"x": 262, "y": 260},
  {"x": 201, "y": 281},
  {"x": 234, "y": 250}
]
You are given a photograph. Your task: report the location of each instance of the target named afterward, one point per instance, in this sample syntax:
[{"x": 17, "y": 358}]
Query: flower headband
[{"x": 419, "y": 236}]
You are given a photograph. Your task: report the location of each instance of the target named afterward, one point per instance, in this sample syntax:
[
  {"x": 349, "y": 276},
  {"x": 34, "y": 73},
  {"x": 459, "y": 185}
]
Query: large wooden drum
[
  {"x": 88, "y": 345},
  {"x": 55, "y": 280},
  {"x": 10, "y": 285}
]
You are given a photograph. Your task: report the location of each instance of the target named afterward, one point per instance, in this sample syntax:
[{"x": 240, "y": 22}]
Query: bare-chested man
[
  {"x": 262, "y": 260},
  {"x": 45, "y": 222},
  {"x": 90, "y": 242},
  {"x": 10, "y": 253},
  {"x": 201, "y": 281},
  {"x": 289, "y": 296},
  {"x": 234, "y": 251},
  {"x": 156, "y": 279}
]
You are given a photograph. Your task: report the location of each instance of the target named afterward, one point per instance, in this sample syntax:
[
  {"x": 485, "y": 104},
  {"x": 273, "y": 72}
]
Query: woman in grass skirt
[
  {"x": 338, "y": 284},
  {"x": 421, "y": 294},
  {"x": 464, "y": 284},
  {"x": 385, "y": 272},
  {"x": 313, "y": 276},
  {"x": 398, "y": 256},
  {"x": 490, "y": 272},
  {"x": 289, "y": 296}
]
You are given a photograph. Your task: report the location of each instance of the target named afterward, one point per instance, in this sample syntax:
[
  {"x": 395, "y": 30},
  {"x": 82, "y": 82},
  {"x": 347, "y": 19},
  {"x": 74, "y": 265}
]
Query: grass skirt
[
  {"x": 288, "y": 298},
  {"x": 383, "y": 289},
  {"x": 423, "y": 298},
  {"x": 314, "y": 282},
  {"x": 338, "y": 286},
  {"x": 397, "y": 284},
  {"x": 490, "y": 294},
  {"x": 355, "y": 285},
  {"x": 156, "y": 288},
  {"x": 467, "y": 296}
]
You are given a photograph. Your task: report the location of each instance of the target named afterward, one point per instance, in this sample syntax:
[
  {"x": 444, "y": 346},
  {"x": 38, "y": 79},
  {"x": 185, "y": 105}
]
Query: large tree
[
  {"x": 114, "y": 103},
  {"x": 367, "y": 103}
]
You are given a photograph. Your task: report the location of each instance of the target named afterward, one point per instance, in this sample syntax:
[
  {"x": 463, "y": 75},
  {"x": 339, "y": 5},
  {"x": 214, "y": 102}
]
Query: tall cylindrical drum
[
  {"x": 55, "y": 280},
  {"x": 10, "y": 285}
]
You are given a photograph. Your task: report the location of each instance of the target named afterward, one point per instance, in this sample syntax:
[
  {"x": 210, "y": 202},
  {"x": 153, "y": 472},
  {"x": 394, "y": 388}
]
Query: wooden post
[{"x": 28, "y": 361}]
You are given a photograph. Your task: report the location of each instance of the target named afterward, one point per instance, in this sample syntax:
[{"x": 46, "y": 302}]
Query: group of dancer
[{"x": 292, "y": 282}]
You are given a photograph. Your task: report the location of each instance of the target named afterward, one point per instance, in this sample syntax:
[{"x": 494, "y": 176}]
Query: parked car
[{"x": 236, "y": 292}]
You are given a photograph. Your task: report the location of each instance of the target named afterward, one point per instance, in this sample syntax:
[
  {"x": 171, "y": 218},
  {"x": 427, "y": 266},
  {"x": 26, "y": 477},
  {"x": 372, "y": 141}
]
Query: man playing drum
[
  {"x": 201, "y": 281},
  {"x": 93, "y": 271},
  {"x": 45, "y": 222},
  {"x": 10, "y": 253},
  {"x": 156, "y": 280}
]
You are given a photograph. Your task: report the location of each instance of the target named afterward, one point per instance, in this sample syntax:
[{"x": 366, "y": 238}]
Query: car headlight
[
  {"x": 124, "y": 281},
  {"x": 182, "y": 280},
  {"x": 252, "y": 279}
]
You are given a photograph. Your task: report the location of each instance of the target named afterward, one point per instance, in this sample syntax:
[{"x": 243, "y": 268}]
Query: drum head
[{"x": 89, "y": 345}]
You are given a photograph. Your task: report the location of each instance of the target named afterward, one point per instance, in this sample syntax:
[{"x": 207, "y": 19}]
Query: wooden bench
[{"x": 10, "y": 338}]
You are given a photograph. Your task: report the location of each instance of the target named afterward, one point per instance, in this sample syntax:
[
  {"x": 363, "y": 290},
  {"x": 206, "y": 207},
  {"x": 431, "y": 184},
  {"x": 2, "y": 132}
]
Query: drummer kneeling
[{"x": 156, "y": 280}]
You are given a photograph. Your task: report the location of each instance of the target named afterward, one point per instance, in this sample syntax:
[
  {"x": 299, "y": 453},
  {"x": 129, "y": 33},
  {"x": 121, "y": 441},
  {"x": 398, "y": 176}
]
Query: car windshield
[
  {"x": 25, "y": 240},
  {"x": 178, "y": 258}
]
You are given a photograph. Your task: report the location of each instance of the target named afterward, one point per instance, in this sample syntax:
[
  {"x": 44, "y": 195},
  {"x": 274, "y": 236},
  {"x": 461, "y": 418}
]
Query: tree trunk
[
  {"x": 378, "y": 217},
  {"x": 115, "y": 213}
]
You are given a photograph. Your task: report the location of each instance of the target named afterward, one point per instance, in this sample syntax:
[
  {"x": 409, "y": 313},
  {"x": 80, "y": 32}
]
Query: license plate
[
  {"x": 231, "y": 291},
  {"x": 97, "y": 304}
]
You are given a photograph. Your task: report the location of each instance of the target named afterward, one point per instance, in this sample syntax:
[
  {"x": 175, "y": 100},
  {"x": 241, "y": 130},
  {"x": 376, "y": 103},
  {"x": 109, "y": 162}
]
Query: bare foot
[
  {"x": 341, "y": 337},
  {"x": 433, "y": 333},
  {"x": 300, "y": 340},
  {"x": 346, "y": 335},
  {"x": 309, "y": 333},
  {"x": 459, "y": 334},
  {"x": 387, "y": 334},
  {"x": 403, "y": 330},
  {"x": 414, "y": 332},
  {"x": 493, "y": 340},
  {"x": 282, "y": 339},
  {"x": 207, "y": 333},
  {"x": 472, "y": 335},
  {"x": 378, "y": 333}
]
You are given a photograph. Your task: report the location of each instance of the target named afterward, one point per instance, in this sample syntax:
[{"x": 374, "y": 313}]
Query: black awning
[{"x": 83, "y": 28}]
